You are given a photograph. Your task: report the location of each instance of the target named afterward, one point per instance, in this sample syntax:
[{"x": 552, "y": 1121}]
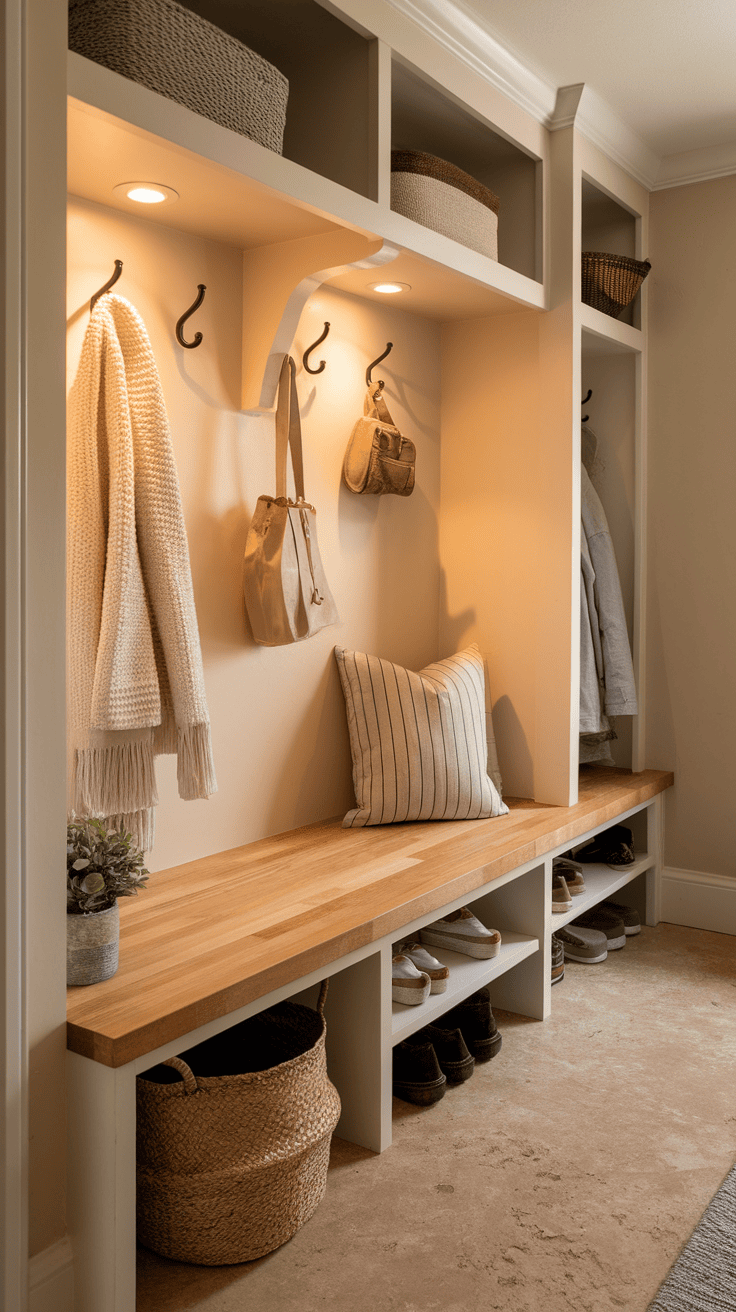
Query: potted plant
[{"x": 101, "y": 865}]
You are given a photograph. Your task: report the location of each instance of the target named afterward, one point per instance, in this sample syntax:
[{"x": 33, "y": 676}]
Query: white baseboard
[
  {"x": 691, "y": 897},
  {"x": 51, "y": 1279}
]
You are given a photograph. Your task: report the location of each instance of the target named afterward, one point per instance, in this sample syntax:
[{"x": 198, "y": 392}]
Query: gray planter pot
[{"x": 92, "y": 946}]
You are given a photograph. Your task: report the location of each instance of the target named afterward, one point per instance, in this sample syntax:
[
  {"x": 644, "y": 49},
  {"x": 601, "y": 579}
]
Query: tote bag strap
[
  {"x": 288, "y": 431},
  {"x": 376, "y": 407}
]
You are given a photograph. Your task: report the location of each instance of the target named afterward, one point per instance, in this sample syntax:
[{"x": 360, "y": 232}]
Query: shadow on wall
[
  {"x": 317, "y": 775},
  {"x": 511, "y": 742}
]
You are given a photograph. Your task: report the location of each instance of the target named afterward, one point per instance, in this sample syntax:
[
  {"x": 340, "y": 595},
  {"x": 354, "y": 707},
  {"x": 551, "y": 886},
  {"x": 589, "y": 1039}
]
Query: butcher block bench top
[{"x": 210, "y": 936}]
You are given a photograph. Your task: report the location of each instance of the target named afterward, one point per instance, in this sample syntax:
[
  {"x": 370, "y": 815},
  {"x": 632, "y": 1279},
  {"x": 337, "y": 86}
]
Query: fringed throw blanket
[{"x": 134, "y": 666}]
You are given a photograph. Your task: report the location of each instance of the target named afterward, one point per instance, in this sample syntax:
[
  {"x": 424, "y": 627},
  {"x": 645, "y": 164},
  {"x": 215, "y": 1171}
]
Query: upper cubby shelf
[
  {"x": 609, "y": 226},
  {"x": 603, "y": 335},
  {"x": 235, "y": 191},
  {"x": 327, "y": 63},
  {"x": 425, "y": 117}
]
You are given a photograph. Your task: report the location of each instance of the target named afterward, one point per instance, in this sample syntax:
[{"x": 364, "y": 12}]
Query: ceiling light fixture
[
  {"x": 389, "y": 287},
  {"x": 145, "y": 193}
]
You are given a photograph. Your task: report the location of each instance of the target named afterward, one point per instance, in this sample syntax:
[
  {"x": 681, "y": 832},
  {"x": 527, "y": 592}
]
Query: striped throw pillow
[{"x": 418, "y": 740}]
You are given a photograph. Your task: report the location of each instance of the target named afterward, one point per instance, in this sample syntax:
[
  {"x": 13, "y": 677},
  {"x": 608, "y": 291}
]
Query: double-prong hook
[
  {"x": 372, "y": 365},
  {"x": 313, "y": 347},
  {"x": 201, "y": 289}
]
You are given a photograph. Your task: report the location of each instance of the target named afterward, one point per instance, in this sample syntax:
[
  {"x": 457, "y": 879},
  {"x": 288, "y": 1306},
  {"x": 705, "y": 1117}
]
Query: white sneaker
[
  {"x": 408, "y": 985},
  {"x": 461, "y": 931},
  {"x": 424, "y": 961}
]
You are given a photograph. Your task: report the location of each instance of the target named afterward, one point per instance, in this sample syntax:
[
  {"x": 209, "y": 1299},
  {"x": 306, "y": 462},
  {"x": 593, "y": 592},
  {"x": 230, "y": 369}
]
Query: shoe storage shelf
[{"x": 300, "y": 906}]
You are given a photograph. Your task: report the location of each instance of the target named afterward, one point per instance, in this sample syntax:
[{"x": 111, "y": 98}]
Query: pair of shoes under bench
[
  {"x": 461, "y": 931},
  {"x": 588, "y": 946},
  {"x": 425, "y": 1063},
  {"x": 606, "y": 922},
  {"x": 476, "y": 1022},
  {"x": 424, "y": 961},
  {"x": 567, "y": 882}
]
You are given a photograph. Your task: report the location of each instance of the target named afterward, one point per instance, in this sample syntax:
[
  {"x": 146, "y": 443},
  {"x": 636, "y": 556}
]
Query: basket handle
[
  {"x": 322, "y": 996},
  {"x": 190, "y": 1082}
]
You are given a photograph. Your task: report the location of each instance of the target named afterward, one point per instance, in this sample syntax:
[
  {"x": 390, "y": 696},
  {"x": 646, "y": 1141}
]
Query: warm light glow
[
  {"x": 390, "y": 287},
  {"x": 145, "y": 193}
]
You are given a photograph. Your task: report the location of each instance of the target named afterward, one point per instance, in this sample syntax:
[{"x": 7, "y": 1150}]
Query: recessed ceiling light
[
  {"x": 389, "y": 287},
  {"x": 145, "y": 193}
]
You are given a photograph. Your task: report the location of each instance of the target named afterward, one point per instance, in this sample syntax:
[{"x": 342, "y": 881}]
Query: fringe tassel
[
  {"x": 166, "y": 738},
  {"x": 116, "y": 779},
  {"x": 141, "y": 824},
  {"x": 195, "y": 767}
]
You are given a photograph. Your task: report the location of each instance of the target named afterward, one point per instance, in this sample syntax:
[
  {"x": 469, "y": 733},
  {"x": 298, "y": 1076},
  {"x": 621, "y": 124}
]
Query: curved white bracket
[{"x": 277, "y": 282}]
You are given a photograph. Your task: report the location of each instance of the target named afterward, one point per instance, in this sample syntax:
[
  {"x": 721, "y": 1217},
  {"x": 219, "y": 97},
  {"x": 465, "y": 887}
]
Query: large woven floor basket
[
  {"x": 170, "y": 50},
  {"x": 610, "y": 282},
  {"x": 440, "y": 196},
  {"x": 230, "y": 1165}
]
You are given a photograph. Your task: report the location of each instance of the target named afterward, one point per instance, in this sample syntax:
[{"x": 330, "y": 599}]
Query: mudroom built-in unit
[{"x": 489, "y": 361}]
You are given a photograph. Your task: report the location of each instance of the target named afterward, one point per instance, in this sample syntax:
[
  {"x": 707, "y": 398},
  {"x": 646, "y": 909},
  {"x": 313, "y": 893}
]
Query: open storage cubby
[
  {"x": 327, "y": 64},
  {"x": 425, "y": 117},
  {"x": 513, "y": 909},
  {"x": 609, "y": 226},
  {"x": 612, "y": 375}
]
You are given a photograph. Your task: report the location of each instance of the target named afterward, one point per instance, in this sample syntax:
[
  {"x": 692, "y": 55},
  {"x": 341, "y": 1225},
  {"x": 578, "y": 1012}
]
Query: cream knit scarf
[{"x": 134, "y": 666}]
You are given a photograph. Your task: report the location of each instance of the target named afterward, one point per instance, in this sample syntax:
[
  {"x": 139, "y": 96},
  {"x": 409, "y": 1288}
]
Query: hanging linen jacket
[{"x": 604, "y": 639}]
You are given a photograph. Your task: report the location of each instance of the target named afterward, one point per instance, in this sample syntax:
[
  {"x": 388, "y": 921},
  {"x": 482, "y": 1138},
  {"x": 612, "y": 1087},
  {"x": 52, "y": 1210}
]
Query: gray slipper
[{"x": 585, "y": 945}]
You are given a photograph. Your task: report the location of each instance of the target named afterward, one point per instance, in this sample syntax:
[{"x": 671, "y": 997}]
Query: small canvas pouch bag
[
  {"x": 287, "y": 596},
  {"x": 379, "y": 458}
]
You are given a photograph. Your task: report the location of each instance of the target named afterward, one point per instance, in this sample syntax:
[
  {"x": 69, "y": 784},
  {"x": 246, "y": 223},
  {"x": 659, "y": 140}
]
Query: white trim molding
[
  {"x": 462, "y": 32},
  {"x": 51, "y": 1279},
  {"x": 696, "y": 166},
  {"x": 691, "y": 897}
]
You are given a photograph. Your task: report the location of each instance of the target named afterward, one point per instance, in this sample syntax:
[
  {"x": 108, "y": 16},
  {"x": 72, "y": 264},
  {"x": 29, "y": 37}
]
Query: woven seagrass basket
[
  {"x": 168, "y": 49},
  {"x": 440, "y": 196},
  {"x": 610, "y": 282},
  {"x": 230, "y": 1165}
]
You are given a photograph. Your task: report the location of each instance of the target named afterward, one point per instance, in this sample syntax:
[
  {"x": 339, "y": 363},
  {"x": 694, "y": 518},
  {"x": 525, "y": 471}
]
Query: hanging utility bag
[
  {"x": 287, "y": 596},
  {"x": 379, "y": 458}
]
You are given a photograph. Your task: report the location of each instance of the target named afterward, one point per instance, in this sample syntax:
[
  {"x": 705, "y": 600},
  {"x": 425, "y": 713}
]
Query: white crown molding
[
  {"x": 455, "y": 28},
  {"x": 696, "y": 166},
  {"x": 597, "y": 121},
  {"x": 464, "y": 34}
]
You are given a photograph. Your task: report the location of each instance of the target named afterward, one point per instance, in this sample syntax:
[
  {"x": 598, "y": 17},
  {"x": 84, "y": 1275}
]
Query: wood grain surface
[{"x": 210, "y": 936}]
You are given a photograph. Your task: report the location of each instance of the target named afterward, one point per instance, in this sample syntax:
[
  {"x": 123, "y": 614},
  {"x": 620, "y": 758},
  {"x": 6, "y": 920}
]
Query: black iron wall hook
[
  {"x": 372, "y": 365},
  {"x": 201, "y": 289},
  {"x": 585, "y": 401},
  {"x": 313, "y": 347},
  {"x": 110, "y": 283}
]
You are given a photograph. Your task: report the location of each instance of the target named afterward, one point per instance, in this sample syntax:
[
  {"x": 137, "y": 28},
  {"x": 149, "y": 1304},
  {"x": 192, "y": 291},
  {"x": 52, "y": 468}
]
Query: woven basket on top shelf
[
  {"x": 232, "y": 1156},
  {"x": 168, "y": 49},
  {"x": 610, "y": 282},
  {"x": 440, "y": 196}
]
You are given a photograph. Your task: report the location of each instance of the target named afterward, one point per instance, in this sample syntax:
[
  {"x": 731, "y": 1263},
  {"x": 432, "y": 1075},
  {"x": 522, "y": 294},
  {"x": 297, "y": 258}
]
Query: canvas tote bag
[
  {"x": 379, "y": 458},
  {"x": 286, "y": 593}
]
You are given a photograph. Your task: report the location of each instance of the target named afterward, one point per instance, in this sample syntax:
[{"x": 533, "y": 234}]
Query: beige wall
[
  {"x": 692, "y": 519},
  {"x": 278, "y": 721}
]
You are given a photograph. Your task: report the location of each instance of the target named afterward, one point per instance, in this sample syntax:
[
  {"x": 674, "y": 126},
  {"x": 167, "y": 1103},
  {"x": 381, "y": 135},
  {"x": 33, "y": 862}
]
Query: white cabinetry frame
[{"x": 362, "y": 1027}]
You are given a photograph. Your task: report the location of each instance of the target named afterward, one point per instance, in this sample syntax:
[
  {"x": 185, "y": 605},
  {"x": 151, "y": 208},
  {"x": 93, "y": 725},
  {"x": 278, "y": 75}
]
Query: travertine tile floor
[{"x": 564, "y": 1177}]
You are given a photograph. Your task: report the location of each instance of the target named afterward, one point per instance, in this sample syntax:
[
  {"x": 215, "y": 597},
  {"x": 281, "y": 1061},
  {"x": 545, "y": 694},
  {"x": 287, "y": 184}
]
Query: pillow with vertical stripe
[{"x": 418, "y": 740}]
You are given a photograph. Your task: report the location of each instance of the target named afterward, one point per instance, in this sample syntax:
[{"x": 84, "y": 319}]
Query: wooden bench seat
[{"x": 214, "y": 934}]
